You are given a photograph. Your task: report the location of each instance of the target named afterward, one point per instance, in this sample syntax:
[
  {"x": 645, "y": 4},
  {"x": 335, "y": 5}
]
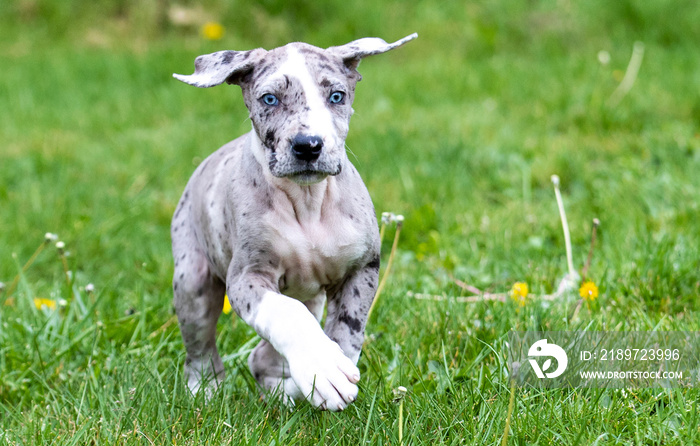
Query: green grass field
[{"x": 459, "y": 131}]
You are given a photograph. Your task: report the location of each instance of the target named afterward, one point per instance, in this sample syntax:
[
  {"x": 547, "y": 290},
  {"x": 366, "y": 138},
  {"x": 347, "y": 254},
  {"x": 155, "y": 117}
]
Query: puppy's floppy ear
[
  {"x": 353, "y": 52},
  {"x": 223, "y": 66}
]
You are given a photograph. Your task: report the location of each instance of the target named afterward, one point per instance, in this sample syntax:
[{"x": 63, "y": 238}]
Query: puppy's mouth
[
  {"x": 311, "y": 176},
  {"x": 304, "y": 173},
  {"x": 307, "y": 177}
]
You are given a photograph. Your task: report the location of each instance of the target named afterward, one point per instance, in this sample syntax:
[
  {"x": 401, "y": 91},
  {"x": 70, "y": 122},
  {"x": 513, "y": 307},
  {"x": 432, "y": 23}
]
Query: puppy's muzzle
[{"x": 307, "y": 148}]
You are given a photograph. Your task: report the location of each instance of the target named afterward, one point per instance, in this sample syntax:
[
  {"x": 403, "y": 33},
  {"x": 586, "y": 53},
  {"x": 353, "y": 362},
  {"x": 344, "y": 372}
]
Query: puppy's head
[{"x": 300, "y": 101}]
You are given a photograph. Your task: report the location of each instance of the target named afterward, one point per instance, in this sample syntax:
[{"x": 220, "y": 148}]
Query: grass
[{"x": 458, "y": 131}]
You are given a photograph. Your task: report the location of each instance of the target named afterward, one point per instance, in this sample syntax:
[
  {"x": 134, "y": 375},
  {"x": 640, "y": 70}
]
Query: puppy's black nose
[{"x": 307, "y": 148}]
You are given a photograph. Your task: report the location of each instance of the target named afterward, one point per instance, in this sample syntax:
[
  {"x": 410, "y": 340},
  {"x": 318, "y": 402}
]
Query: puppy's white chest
[{"x": 316, "y": 255}]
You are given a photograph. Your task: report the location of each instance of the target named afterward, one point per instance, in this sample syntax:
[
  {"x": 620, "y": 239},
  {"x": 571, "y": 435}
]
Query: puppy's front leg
[
  {"x": 318, "y": 366},
  {"x": 348, "y": 308}
]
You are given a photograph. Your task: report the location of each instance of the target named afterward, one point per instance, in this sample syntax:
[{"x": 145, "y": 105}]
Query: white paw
[
  {"x": 207, "y": 387},
  {"x": 201, "y": 380},
  {"x": 325, "y": 376}
]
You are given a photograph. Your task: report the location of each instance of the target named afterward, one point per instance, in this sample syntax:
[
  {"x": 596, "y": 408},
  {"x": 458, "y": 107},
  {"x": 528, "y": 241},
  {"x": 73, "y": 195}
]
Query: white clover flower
[
  {"x": 603, "y": 57},
  {"x": 60, "y": 246},
  {"x": 386, "y": 218},
  {"x": 50, "y": 237},
  {"x": 90, "y": 288},
  {"x": 399, "y": 393}
]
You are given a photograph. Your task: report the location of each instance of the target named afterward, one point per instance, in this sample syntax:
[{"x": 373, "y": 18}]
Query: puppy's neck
[{"x": 308, "y": 202}]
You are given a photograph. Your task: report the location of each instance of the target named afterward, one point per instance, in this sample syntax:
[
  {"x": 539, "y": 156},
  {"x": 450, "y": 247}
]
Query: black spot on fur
[
  {"x": 356, "y": 292},
  {"x": 353, "y": 324},
  {"x": 270, "y": 140},
  {"x": 374, "y": 264},
  {"x": 261, "y": 71},
  {"x": 227, "y": 57}
]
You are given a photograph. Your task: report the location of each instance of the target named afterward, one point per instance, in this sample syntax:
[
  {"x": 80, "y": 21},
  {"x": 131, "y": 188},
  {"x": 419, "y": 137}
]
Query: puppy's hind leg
[
  {"x": 198, "y": 300},
  {"x": 271, "y": 370}
]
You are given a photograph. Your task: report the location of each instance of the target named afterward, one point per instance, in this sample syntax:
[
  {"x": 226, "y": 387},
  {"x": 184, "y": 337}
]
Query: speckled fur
[{"x": 280, "y": 235}]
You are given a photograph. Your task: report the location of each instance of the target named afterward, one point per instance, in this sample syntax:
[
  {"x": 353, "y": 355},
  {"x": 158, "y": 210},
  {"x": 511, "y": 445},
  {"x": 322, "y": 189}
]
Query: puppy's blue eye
[
  {"x": 270, "y": 99},
  {"x": 336, "y": 97}
]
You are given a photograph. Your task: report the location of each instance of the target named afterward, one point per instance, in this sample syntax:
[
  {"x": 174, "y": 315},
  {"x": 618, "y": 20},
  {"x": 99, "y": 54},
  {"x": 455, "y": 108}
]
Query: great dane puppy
[{"x": 280, "y": 220}]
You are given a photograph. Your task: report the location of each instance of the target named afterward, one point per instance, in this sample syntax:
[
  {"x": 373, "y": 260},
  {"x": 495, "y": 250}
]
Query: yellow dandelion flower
[
  {"x": 212, "y": 31},
  {"x": 588, "y": 291},
  {"x": 40, "y": 302},
  {"x": 227, "y": 305},
  {"x": 519, "y": 293}
]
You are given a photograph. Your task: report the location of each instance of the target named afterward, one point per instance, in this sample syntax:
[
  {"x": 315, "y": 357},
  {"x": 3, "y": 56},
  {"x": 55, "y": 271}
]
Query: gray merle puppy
[{"x": 280, "y": 220}]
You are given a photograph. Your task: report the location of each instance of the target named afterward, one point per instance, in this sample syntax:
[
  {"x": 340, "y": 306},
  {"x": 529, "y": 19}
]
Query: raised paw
[{"x": 325, "y": 376}]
